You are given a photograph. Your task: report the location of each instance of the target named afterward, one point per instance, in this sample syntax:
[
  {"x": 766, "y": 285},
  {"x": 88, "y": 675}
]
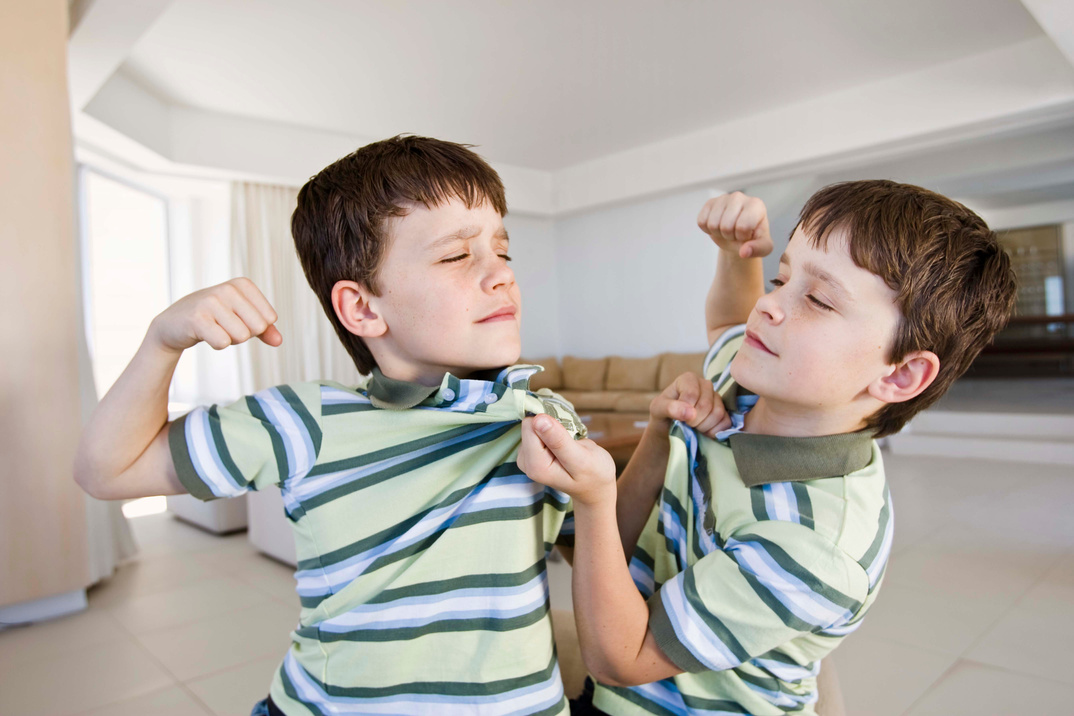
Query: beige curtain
[{"x": 263, "y": 251}]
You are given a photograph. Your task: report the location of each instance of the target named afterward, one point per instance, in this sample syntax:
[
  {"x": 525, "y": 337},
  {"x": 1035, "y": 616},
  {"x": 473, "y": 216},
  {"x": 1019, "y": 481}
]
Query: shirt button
[
  {"x": 448, "y": 394},
  {"x": 491, "y": 398}
]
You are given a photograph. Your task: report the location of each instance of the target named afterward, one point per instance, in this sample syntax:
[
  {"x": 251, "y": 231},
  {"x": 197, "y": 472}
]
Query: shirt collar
[
  {"x": 391, "y": 394},
  {"x": 764, "y": 459}
]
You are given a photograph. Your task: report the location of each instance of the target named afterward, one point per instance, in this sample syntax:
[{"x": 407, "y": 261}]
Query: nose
[
  {"x": 769, "y": 307},
  {"x": 496, "y": 274}
]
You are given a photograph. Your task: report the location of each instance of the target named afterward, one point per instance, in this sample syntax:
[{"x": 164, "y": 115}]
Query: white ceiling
[
  {"x": 583, "y": 103},
  {"x": 550, "y": 84}
]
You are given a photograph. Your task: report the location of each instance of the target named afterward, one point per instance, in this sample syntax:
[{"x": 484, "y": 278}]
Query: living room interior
[{"x": 171, "y": 137}]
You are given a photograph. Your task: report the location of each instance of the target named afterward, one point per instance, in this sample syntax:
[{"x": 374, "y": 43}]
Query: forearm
[
  {"x": 127, "y": 421},
  {"x": 737, "y": 285},
  {"x": 639, "y": 486},
  {"x": 611, "y": 614}
]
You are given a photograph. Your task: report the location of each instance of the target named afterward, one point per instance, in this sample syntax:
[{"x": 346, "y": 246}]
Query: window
[{"x": 125, "y": 269}]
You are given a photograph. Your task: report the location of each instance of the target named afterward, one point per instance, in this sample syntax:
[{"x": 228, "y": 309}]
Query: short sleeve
[
  {"x": 766, "y": 585},
  {"x": 263, "y": 439},
  {"x": 722, "y": 352}
]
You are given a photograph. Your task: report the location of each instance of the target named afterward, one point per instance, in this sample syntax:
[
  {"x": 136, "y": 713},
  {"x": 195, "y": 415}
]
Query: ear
[
  {"x": 907, "y": 379},
  {"x": 353, "y": 304}
]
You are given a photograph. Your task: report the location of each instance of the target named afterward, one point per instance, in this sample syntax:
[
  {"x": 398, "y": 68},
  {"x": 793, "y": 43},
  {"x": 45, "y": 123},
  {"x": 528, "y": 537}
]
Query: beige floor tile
[
  {"x": 882, "y": 678},
  {"x": 206, "y": 598},
  {"x": 149, "y": 574},
  {"x": 26, "y": 644},
  {"x": 235, "y": 691},
  {"x": 977, "y": 690},
  {"x": 1031, "y": 642},
  {"x": 164, "y": 534},
  {"x": 275, "y": 579},
  {"x": 172, "y": 701},
  {"x": 964, "y": 566},
  {"x": 210, "y": 645},
  {"x": 913, "y": 616},
  {"x": 79, "y": 680}
]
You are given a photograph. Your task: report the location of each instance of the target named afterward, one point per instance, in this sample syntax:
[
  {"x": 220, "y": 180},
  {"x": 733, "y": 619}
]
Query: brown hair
[
  {"x": 338, "y": 225},
  {"x": 954, "y": 284}
]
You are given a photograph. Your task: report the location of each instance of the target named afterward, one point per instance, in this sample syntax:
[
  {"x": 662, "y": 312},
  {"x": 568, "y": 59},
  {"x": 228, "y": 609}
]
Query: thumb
[
  {"x": 272, "y": 336},
  {"x": 568, "y": 452}
]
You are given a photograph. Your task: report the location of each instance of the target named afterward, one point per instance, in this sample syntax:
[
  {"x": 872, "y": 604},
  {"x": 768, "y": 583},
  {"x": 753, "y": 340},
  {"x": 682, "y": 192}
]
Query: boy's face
[
  {"x": 448, "y": 295},
  {"x": 816, "y": 342}
]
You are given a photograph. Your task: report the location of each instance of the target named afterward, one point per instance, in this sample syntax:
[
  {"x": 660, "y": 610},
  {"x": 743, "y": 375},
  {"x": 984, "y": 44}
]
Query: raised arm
[
  {"x": 123, "y": 451},
  {"x": 738, "y": 225}
]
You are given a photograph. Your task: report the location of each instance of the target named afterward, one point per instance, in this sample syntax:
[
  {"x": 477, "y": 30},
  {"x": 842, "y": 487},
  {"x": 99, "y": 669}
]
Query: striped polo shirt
[
  {"x": 421, "y": 546},
  {"x": 761, "y": 555}
]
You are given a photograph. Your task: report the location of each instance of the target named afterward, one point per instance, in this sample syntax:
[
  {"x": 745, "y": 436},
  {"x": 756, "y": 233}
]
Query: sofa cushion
[
  {"x": 589, "y": 400},
  {"x": 635, "y": 401},
  {"x": 551, "y": 377},
  {"x": 584, "y": 373},
  {"x": 632, "y": 373},
  {"x": 672, "y": 365}
]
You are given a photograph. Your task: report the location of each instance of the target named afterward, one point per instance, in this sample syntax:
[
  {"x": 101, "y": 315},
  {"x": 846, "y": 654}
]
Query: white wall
[
  {"x": 634, "y": 278},
  {"x": 534, "y": 260}
]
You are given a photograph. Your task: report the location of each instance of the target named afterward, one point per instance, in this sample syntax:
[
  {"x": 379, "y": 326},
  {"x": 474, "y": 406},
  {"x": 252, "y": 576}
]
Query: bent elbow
[{"x": 611, "y": 674}]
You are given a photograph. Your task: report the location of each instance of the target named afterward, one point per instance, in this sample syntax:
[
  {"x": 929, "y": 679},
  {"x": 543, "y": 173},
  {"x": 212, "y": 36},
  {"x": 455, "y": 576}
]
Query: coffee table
[{"x": 618, "y": 433}]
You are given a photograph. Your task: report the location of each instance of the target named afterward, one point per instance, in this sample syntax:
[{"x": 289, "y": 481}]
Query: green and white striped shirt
[
  {"x": 421, "y": 545},
  {"x": 761, "y": 555}
]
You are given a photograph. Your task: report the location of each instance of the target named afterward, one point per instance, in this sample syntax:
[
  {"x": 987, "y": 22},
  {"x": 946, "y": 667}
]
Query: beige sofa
[{"x": 614, "y": 383}]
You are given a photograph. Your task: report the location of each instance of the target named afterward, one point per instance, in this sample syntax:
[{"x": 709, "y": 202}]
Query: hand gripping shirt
[
  {"x": 421, "y": 545},
  {"x": 760, "y": 556}
]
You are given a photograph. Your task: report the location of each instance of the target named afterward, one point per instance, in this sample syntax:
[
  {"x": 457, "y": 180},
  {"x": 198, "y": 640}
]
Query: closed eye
[
  {"x": 505, "y": 257},
  {"x": 820, "y": 304},
  {"x": 453, "y": 259}
]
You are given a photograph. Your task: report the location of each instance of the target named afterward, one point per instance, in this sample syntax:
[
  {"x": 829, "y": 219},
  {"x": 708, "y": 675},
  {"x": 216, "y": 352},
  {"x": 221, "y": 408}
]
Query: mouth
[
  {"x": 752, "y": 339},
  {"x": 507, "y": 313}
]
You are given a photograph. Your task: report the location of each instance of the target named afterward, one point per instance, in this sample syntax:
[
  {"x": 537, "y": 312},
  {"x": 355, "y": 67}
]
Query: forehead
[
  {"x": 422, "y": 227},
  {"x": 834, "y": 259}
]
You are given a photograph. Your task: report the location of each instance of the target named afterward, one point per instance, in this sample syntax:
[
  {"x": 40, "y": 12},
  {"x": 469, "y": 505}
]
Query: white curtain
[
  {"x": 264, "y": 252},
  {"x": 109, "y": 541}
]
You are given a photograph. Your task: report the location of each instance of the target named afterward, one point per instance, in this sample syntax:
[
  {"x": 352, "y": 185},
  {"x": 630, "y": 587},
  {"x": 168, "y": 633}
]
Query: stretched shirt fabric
[
  {"x": 761, "y": 554},
  {"x": 421, "y": 545}
]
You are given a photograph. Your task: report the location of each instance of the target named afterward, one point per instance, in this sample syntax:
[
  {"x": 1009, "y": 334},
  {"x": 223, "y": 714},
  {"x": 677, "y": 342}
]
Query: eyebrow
[
  {"x": 466, "y": 232},
  {"x": 820, "y": 274}
]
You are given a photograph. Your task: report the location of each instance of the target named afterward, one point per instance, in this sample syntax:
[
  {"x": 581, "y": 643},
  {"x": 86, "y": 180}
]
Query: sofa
[{"x": 612, "y": 383}]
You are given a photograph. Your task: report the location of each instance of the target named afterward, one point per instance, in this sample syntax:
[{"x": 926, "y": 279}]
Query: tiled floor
[{"x": 976, "y": 616}]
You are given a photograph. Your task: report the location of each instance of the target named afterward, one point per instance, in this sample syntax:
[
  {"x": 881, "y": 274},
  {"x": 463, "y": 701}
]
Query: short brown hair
[
  {"x": 338, "y": 225},
  {"x": 954, "y": 284}
]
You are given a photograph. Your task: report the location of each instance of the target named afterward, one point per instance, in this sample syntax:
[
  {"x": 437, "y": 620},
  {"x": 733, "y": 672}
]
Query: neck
[
  {"x": 770, "y": 417},
  {"x": 431, "y": 377}
]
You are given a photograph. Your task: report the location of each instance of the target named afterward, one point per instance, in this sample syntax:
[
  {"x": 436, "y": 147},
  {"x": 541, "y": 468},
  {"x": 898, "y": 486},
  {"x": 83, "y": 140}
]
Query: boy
[
  {"x": 421, "y": 545},
  {"x": 767, "y": 537}
]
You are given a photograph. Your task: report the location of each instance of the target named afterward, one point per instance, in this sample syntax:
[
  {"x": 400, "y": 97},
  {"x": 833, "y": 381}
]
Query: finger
[
  {"x": 673, "y": 409},
  {"x": 570, "y": 454},
  {"x": 712, "y": 422},
  {"x": 712, "y": 222},
  {"x": 538, "y": 462},
  {"x": 232, "y": 323},
  {"x": 248, "y": 313},
  {"x": 253, "y": 295},
  {"x": 702, "y": 408},
  {"x": 730, "y": 216},
  {"x": 209, "y": 331},
  {"x": 703, "y": 215}
]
